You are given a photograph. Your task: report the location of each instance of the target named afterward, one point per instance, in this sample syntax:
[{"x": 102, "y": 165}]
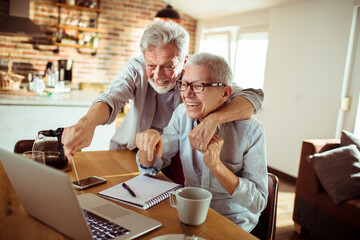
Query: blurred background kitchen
[
  {"x": 60, "y": 55},
  {"x": 67, "y": 39},
  {"x": 301, "y": 52}
]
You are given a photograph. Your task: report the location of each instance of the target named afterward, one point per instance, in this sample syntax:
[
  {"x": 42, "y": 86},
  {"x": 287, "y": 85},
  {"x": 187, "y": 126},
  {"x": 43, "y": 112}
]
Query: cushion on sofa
[
  {"x": 339, "y": 172},
  {"x": 348, "y": 138}
]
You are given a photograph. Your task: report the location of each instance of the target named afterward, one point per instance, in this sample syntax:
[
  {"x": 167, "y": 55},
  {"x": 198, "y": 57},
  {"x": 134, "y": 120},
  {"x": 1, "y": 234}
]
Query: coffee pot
[{"x": 49, "y": 142}]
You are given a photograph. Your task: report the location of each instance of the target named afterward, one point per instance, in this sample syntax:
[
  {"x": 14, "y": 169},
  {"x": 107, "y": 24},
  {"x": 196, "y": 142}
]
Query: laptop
[{"x": 48, "y": 195}]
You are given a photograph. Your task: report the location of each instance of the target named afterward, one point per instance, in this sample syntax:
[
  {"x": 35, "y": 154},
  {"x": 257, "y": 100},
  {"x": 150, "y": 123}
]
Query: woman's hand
[
  {"x": 148, "y": 142},
  {"x": 212, "y": 160},
  {"x": 212, "y": 153}
]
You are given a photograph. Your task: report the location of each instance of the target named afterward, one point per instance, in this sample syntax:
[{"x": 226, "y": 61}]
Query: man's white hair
[{"x": 161, "y": 33}]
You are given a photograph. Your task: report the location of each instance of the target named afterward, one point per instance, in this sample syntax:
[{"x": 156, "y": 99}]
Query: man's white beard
[{"x": 161, "y": 89}]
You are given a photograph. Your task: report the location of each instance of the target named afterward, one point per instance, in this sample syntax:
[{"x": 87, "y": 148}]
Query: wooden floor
[{"x": 284, "y": 223}]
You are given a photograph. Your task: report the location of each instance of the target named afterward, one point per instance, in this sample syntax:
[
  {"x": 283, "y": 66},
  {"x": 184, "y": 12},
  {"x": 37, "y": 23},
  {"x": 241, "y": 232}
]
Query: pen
[{"x": 129, "y": 189}]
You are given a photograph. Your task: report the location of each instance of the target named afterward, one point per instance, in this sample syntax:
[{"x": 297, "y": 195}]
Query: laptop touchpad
[{"x": 111, "y": 211}]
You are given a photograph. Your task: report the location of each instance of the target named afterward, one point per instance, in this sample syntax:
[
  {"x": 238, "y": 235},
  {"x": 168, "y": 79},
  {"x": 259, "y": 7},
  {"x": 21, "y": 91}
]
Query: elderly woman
[{"x": 233, "y": 167}]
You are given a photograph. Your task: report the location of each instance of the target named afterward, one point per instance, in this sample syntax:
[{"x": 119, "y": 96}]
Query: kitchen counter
[
  {"x": 22, "y": 116},
  {"x": 73, "y": 98}
]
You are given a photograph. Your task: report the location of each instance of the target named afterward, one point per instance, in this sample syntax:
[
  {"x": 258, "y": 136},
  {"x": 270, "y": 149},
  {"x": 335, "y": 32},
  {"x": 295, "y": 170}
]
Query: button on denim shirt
[
  {"x": 243, "y": 153},
  {"x": 132, "y": 84}
]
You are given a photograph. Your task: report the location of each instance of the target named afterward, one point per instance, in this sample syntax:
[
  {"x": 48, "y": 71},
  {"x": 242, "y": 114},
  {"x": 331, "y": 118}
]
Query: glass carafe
[{"x": 49, "y": 142}]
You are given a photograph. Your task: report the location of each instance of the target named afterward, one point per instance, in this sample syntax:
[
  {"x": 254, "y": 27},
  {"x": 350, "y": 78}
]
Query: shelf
[
  {"x": 84, "y": 29},
  {"x": 74, "y": 46},
  {"x": 74, "y": 7},
  {"x": 61, "y": 27}
]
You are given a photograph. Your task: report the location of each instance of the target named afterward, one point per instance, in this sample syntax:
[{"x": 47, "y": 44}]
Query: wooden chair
[
  {"x": 265, "y": 229},
  {"x": 23, "y": 146}
]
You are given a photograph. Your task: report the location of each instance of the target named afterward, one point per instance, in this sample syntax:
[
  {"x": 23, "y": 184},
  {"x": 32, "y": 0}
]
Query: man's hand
[
  {"x": 212, "y": 153},
  {"x": 148, "y": 142},
  {"x": 77, "y": 137},
  {"x": 201, "y": 135}
]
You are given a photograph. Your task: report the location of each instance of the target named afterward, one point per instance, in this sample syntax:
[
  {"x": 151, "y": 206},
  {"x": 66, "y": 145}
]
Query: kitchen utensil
[
  {"x": 188, "y": 235},
  {"x": 49, "y": 141}
]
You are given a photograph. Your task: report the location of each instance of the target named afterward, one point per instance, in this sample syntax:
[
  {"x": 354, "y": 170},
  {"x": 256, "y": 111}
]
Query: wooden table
[{"x": 116, "y": 167}]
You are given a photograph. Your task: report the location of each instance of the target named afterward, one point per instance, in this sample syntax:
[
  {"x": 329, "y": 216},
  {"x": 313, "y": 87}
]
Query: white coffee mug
[{"x": 192, "y": 204}]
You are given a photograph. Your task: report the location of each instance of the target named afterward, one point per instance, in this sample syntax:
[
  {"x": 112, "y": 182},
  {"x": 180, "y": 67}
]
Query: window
[
  {"x": 244, "y": 49},
  {"x": 250, "y": 60},
  {"x": 216, "y": 43},
  {"x": 357, "y": 121},
  {"x": 350, "y": 119}
]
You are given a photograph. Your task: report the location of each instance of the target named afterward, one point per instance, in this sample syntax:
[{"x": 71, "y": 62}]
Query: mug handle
[{"x": 172, "y": 199}]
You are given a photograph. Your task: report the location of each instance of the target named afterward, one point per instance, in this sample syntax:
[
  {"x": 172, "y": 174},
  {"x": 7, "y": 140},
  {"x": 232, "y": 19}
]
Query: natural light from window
[
  {"x": 357, "y": 119},
  {"x": 248, "y": 54},
  {"x": 250, "y": 60},
  {"x": 217, "y": 44}
]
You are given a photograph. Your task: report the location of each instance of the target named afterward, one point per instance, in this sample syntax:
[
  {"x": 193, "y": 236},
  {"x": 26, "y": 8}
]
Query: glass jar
[{"x": 49, "y": 142}]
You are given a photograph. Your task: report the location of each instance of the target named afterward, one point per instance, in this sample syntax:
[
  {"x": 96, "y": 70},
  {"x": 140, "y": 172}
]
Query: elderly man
[
  {"x": 149, "y": 81},
  {"x": 233, "y": 165}
]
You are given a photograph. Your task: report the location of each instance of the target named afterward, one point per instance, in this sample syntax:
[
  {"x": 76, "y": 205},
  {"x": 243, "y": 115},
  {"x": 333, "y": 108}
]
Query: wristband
[{"x": 153, "y": 171}]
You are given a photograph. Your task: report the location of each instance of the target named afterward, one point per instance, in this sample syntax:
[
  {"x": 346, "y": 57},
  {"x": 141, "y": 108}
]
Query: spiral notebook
[{"x": 149, "y": 191}]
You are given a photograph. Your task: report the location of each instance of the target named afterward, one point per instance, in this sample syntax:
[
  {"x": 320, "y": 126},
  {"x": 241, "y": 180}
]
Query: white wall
[{"x": 304, "y": 72}]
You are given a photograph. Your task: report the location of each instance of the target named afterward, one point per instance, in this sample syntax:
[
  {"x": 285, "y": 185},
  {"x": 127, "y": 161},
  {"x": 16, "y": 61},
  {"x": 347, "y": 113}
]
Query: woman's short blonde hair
[{"x": 220, "y": 71}]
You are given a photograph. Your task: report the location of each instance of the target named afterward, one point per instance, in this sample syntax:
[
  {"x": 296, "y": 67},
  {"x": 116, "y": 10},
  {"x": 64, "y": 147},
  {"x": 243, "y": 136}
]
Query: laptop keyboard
[{"x": 102, "y": 228}]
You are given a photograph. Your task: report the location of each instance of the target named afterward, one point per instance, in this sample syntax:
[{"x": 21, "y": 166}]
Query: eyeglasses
[{"x": 196, "y": 87}]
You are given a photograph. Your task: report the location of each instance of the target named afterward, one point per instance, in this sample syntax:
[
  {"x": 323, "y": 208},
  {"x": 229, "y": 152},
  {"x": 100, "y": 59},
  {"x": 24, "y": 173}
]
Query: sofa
[{"x": 315, "y": 212}]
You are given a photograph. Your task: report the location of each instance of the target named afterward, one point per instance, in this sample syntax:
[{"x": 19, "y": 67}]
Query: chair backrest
[
  {"x": 265, "y": 229},
  {"x": 23, "y": 146}
]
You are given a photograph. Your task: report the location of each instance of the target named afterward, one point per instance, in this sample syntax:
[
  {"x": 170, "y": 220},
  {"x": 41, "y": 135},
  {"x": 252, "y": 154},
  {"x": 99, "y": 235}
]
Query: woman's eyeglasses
[{"x": 196, "y": 87}]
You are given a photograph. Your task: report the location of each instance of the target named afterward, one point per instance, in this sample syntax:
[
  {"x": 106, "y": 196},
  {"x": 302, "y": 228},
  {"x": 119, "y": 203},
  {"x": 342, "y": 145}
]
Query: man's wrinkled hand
[
  {"x": 150, "y": 141},
  {"x": 77, "y": 137},
  {"x": 201, "y": 135}
]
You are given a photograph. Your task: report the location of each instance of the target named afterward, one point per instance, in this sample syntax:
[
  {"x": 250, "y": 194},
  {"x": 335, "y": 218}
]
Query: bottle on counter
[
  {"x": 51, "y": 75},
  {"x": 37, "y": 85}
]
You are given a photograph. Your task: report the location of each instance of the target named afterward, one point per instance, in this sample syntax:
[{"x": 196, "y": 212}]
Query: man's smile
[{"x": 160, "y": 82}]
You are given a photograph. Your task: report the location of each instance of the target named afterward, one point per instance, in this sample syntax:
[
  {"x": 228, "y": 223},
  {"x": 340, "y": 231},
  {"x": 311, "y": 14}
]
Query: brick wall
[{"x": 123, "y": 24}]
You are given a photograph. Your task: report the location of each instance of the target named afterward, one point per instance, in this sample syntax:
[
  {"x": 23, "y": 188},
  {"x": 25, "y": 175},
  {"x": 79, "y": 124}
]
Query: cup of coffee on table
[{"x": 192, "y": 204}]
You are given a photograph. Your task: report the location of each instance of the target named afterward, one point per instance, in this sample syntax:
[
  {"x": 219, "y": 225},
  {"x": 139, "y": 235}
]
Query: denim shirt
[
  {"x": 243, "y": 153},
  {"x": 132, "y": 84}
]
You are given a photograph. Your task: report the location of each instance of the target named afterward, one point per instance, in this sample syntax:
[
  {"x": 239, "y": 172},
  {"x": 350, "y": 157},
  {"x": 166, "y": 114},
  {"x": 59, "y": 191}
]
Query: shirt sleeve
[
  {"x": 145, "y": 170},
  {"x": 255, "y": 96},
  {"x": 252, "y": 192},
  {"x": 120, "y": 91}
]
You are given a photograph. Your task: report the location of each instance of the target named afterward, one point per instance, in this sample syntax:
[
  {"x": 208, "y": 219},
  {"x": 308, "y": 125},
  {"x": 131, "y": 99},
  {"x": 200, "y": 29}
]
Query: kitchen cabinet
[
  {"x": 78, "y": 27},
  {"x": 23, "y": 116}
]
